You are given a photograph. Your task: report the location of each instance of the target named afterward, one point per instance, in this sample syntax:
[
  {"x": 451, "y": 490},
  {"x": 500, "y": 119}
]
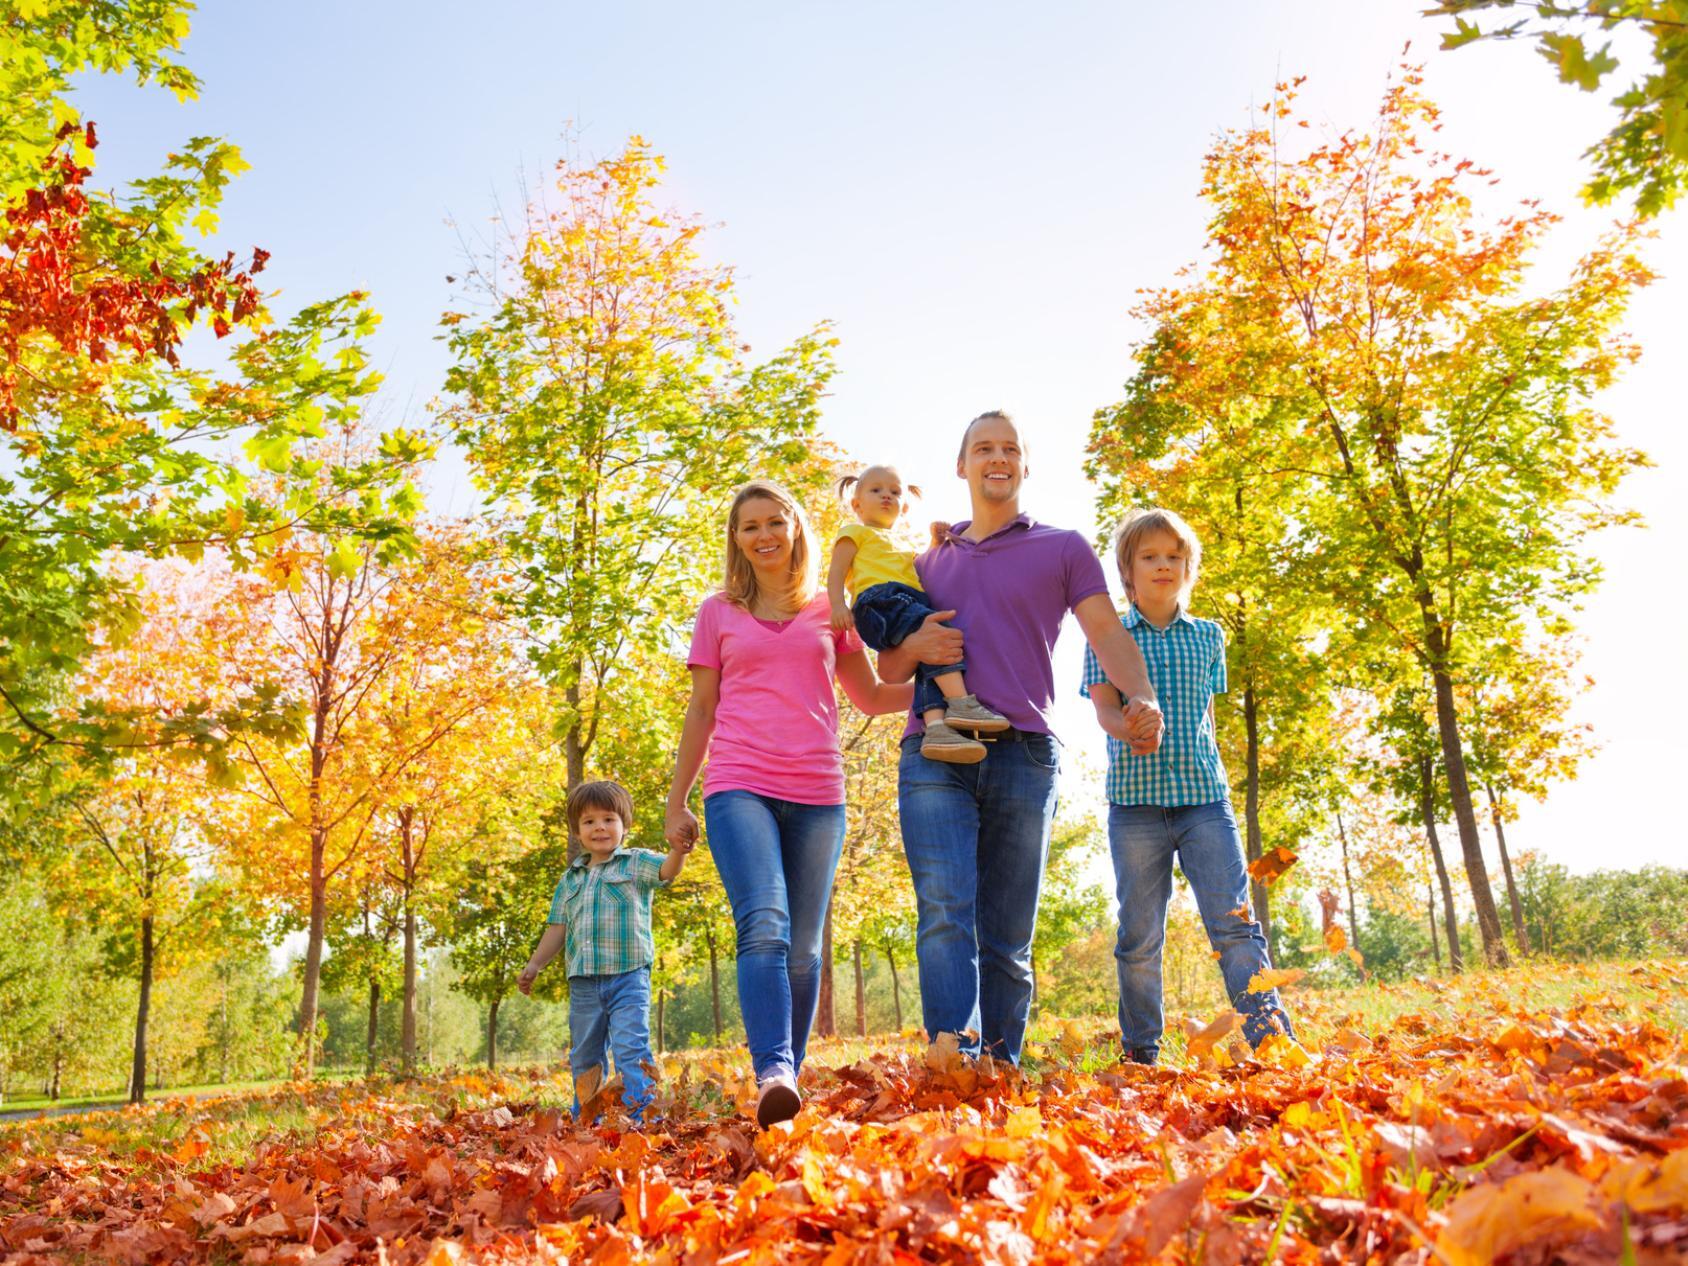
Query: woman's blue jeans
[
  {"x": 613, "y": 1011},
  {"x": 1144, "y": 839},
  {"x": 776, "y": 859}
]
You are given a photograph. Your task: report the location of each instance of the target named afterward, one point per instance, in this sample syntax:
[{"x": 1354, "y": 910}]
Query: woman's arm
[
  {"x": 866, "y": 691},
  {"x": 680, "y": 824},
  {"x": 843, "y": 554}
]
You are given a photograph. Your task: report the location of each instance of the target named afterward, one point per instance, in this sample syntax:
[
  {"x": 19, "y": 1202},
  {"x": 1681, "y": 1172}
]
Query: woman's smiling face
[{"x": 764, "y": 535}]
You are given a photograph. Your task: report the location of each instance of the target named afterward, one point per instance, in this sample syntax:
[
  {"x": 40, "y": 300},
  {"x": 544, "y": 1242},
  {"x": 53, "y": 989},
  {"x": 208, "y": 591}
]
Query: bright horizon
[{"x": 972, "y": 197}]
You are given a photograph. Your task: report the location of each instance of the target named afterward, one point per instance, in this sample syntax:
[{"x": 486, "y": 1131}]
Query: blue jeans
[
  {"x": 885, "y": 614},
  {"x": 776, "y": 859},
  {"x": 1143, "y": 839},
  {"x": 614, "y": 1009},
  {"x": 976, "y": 837}
]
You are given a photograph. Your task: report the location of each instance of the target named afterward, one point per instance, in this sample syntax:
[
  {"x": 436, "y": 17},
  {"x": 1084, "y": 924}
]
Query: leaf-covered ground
[{"x": 1534, "y": 1116}]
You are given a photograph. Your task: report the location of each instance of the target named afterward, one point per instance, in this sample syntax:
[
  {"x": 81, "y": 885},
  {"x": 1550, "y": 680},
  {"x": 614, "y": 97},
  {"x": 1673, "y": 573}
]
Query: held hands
[
  {"x": 680, "y": 829},
  {"x": 842, "y": 618},
  {"x": 1143, "y": 726}
]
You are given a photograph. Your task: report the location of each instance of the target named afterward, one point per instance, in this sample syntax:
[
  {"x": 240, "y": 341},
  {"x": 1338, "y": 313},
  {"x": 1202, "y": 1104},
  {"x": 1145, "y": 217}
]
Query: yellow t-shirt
[{"x": 879, "y": 558}]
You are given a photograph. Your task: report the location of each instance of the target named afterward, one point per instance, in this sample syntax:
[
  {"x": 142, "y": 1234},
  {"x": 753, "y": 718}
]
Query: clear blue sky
[{"x": 972, "y": 192}]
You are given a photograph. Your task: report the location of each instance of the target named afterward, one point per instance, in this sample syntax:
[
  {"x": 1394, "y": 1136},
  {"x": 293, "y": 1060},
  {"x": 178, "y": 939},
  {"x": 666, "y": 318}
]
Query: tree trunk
[
  {"x": 138, "y": 1068},
  {"x": 313, "y": 954},
  {"x": 1427, "y": 809},
  {"x": 492, "y": 1034},
  {"x": 1459, "y": 791},
  {"x": 1430, "y": 914},
  {"x": 896, "y": 985},
  {"x": 58, "y": 1072},
  {"x": 223, "y": 1030},
  {"x": 826, "y": 1019},
  {"x": 861, "y": 993},
  {"x": 714, "y": 981},
  {"x": 1506, "y": 867},
  {"x": 407, "y": 1038},
  {"x": 1251, "y": 813},
  {"x": 1348, "y": 882},
  {"x": 374, "y": 1024}
]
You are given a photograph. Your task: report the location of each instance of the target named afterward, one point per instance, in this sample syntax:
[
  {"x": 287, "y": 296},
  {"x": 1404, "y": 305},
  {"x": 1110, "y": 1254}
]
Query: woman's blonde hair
[
  {"x": 739, "y": 583},
  {"x": 1145, "y": 521}
]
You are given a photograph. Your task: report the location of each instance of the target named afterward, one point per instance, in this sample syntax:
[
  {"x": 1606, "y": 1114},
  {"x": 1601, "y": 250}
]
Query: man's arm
[
  {"x": 934, "y": 642},
  {"x": 1123, "y": 662}
]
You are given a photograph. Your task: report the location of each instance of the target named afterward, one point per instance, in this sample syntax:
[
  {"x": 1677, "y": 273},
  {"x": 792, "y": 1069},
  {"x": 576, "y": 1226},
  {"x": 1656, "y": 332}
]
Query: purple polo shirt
[{"x": 1010, "y": 593}]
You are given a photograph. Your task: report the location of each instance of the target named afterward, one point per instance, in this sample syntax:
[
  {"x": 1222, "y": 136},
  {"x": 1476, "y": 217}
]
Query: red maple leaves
[{"x": 58, "y": 281}]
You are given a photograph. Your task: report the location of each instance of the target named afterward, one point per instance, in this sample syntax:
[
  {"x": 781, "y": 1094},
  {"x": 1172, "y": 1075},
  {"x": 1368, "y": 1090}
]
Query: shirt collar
[
  {"x": 585, "y": 858},
  {"x": 1021, "y": 520},
  {"x": 1133, "y": 617}
]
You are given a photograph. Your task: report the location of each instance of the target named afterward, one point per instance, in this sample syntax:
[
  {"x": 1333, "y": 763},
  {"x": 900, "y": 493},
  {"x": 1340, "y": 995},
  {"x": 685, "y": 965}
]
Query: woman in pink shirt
[{"x": 763, "y": 659}]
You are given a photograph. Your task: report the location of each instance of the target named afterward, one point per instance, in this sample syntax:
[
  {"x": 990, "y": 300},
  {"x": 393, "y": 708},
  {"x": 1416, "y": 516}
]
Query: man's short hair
[
  {"x": 989, "y": 415},
  {"x": 599, "y": 795}
]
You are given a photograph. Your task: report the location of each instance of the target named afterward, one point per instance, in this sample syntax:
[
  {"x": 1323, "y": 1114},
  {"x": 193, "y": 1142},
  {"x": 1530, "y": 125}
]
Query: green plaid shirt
[{"x": 607, "y": 910}]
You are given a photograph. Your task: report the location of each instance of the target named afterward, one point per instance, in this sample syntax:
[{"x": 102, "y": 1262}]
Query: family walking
[{"x": 965, "y": 635}]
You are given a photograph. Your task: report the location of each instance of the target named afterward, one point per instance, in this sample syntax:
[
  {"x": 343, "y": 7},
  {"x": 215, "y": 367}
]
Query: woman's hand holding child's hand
[{"x": 680, "y": 828}]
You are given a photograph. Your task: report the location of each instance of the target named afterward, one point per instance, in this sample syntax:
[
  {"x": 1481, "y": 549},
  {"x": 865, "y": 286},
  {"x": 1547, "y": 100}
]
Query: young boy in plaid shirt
[
  {"x": 1175, "y": 801},
  {"x": 602, "y": 910}
]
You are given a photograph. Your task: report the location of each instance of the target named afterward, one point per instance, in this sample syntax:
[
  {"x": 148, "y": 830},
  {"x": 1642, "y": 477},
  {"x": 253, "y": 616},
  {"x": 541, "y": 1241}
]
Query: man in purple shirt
[{"x": 977, "y": 836}]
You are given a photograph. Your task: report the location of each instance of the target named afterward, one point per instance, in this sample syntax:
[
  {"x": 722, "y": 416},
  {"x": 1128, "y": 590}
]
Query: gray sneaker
[
  {"x": 951, "y": 746},
  {"x": 967, "y": 713}
]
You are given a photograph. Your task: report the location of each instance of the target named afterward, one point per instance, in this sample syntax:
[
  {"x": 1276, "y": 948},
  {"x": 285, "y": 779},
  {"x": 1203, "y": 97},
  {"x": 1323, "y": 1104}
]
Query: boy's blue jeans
[
  {"x": 1144, "y": 839},
  {"x": 614, "y": 1009},
  {"x": 885, "y": 614},
  {"x": 976, "y": 837},
  {"x": 777, "y": 859}
]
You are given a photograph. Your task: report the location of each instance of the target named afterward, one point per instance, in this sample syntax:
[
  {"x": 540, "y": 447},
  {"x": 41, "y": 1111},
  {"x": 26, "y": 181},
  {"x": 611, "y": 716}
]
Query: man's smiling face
[{"x": 992, "y": 460}]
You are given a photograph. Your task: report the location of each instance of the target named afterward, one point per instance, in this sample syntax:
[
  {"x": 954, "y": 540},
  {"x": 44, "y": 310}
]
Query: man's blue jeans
[
  {"x": 1144, "y": 839},
  {"x": 615, "y": 1010},
  {"x": 776, "y": 859},
  {"x": 976, "y": 837}
]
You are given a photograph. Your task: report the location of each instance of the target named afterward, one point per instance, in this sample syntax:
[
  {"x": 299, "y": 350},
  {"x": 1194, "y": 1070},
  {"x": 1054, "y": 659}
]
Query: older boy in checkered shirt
[
  {"x": 602, "y": 910},
  {"x": 1175, "y": 800}
]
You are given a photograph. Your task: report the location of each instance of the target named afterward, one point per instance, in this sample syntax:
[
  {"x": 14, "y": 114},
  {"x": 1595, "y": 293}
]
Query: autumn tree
[
  {"x": 1431, "y": 422},
  {"x": 602, "y": 399},
  {"x": 1646, "y": 153},
  {"x": 109, "y": 440}
]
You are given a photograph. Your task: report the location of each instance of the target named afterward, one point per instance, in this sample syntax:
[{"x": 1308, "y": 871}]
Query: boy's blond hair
[
  {"x": 739, "y": 583},
  {"x": 1145, "y": 521}
]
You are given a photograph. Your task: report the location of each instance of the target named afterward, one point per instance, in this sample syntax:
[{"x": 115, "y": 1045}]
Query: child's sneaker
[
  {"x": 777, "y": 1100},
  {"x": 950, "y": 746},
  {"x": 967, "y": 713}
]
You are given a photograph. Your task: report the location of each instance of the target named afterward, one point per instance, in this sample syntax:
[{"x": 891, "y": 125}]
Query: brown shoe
[
  {"x": 967, "y": 713},
  {"x": 950, "y": 746}
]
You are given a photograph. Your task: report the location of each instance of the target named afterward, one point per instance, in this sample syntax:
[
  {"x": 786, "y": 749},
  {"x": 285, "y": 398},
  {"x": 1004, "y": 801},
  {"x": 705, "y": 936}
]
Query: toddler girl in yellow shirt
[{"x": 878, "y": 569}]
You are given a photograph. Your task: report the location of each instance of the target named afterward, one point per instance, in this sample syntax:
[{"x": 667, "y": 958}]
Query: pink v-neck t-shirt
[{"x": 776, "y": 724}]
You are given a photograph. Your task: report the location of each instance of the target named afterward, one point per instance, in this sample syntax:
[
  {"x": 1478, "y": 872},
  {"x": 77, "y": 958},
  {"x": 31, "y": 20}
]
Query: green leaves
[{"x": 1645, "y": 155}]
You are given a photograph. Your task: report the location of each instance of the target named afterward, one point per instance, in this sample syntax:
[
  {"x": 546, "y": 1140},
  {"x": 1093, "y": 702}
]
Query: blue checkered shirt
[
  {"x": 1186, "y": 662},
  {"x": 607, "y": 911}
]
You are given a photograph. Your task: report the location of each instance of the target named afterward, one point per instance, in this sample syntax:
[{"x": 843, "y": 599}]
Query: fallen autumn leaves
[{"x": 1521, "y": 1137}]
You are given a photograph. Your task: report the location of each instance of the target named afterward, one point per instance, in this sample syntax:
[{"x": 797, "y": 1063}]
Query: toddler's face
[
  {"x": 1158, "y": 568},
  {"x": 878, "y": 499},
  {"x": 600, "y": 830}
]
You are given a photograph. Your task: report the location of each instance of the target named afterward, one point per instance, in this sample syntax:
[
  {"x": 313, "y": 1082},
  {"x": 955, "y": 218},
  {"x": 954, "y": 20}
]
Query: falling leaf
[
  {"x": 1274, "y": 978},
  {"x": 1271, "y": 865}
]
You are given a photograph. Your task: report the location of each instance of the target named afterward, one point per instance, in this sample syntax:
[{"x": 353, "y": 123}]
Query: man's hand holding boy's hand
[{"x": 1144, "y": 726}]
